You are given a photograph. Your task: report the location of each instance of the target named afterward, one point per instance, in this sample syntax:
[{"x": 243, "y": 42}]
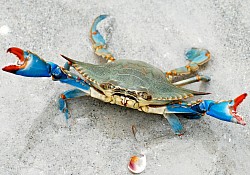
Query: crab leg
[
  {"x": 224, "y": 110},
  {"x": 99, "y": 44},
  {"x": 31, "y": 65},
  {"x": 66, "y": 96},
  {"x": 174, "y": 123},
  {"x": 197, "y": 57},
  {"x": 197, "y": 78}
]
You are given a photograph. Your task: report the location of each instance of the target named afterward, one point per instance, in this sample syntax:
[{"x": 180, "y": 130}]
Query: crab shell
[{"x": 131, "y": 83}]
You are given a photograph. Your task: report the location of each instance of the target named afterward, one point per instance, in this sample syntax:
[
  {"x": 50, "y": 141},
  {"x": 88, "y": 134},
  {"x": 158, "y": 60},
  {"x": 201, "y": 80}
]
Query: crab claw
[
  {"x": 28, "y": 64},
  {"x": 226, "y": 110}
]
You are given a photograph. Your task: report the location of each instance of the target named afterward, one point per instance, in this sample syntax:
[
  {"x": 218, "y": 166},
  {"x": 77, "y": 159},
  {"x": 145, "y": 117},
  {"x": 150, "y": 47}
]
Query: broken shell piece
[{"x": 137, "y": 164}]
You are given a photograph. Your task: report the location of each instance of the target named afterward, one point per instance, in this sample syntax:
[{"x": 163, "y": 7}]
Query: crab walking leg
[
  {"x": 99, "y": 44},
  {"x": 197, "y": 78},
  {"x": 174, "y": 123},
  {"x": 197, "y": 57},
  {"x": 70, "y": 94}
]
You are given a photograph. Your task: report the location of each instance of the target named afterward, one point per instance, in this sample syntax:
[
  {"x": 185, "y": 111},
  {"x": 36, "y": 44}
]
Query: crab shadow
[
  {"x": 116, "y": 122},
  {"x": 111, "y": 121}
]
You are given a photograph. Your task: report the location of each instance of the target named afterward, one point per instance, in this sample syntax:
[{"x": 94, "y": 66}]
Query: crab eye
[
  {"x": 110, "y": 86},
  {"x": 107, "y": 86},
  {"x": 132, "y": 93},
  {"x": 145, "y": 95}
]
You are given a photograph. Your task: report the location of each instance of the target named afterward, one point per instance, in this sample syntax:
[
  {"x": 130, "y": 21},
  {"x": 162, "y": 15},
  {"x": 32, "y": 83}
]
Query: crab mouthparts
[
  {"x": 236, "y": 116},
  {"x": 21, "y": 60}
]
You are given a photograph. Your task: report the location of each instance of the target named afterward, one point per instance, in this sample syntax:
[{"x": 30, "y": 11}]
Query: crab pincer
[
  {"x": 28, "y": 64},
  {"x": 226, "y": 110}
]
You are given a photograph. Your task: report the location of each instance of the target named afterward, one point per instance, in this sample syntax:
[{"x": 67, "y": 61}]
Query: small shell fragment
[{"x": 137, "y": 164}]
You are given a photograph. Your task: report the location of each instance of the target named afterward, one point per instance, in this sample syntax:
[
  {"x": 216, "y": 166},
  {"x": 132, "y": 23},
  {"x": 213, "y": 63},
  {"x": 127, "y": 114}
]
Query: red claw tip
[
  {"x": 11, "y": 68},
  {"x": 238, "y": 100},
  {"x": 18, "y": 52},
  {"x": 20, "y": 55}
]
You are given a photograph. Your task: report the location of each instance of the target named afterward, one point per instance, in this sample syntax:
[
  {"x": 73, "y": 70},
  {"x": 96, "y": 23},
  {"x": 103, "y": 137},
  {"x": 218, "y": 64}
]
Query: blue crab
[{"x": 130, "y": 83}]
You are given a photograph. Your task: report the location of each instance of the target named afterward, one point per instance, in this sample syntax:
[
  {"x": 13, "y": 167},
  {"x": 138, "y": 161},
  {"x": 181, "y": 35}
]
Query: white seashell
[{"x": 137, "y": 164}]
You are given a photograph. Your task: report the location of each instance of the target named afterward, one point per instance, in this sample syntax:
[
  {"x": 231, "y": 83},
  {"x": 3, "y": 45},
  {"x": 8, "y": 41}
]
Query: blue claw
[
  {"x": 225, "y": 110},
  {"x": 29, "y": 64}
]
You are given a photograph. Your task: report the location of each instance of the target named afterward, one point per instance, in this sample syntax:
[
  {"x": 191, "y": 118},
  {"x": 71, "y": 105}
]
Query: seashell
[{"x": 137, "y": 164}]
